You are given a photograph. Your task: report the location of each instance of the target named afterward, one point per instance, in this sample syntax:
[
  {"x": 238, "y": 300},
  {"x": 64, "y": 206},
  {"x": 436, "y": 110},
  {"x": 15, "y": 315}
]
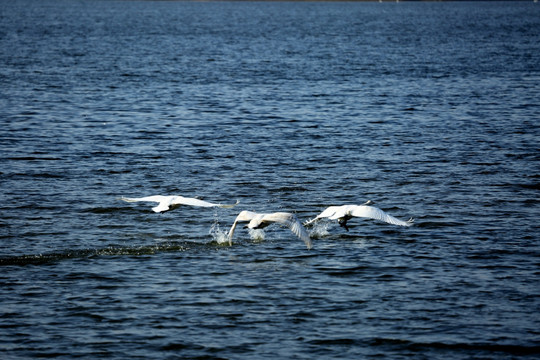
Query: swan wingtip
[{"x": 228, "y": 206}]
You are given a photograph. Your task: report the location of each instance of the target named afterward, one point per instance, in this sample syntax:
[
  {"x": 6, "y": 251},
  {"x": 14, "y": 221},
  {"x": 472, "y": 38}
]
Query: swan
[
  {"x": 170, "y": 202},
  {"x": 346, "y": 212},
  {"x": 260, "y": 221}
]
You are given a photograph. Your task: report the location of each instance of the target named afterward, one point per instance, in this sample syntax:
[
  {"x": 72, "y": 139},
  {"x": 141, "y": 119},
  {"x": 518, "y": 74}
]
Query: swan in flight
[
  {"x": 346, "y": 212},
  {"x": 260, "y": 221},
  {"x": 171, "y": 202}
]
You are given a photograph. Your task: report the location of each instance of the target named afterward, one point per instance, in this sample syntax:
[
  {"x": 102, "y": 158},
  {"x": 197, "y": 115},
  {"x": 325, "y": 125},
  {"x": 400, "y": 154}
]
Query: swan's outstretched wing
[
  {"x": 154, "y": 198},
  {"x": 164, "y": 201},
  {"x": 292, "y": 222},
  {"x": 333, "y": 212},
  {"x": 180, "y": 200},
  {"x": 243, "y": 216},
  {"x": 375, "y": 213},
  {"x": 229, "y": 206}
]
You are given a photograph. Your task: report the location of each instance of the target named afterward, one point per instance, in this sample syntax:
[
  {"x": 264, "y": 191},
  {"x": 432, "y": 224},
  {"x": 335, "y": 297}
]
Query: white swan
[
  {"x": 346, "y": 212},
  {"x": 171, "y": 202},
  {"x": 260, "y": 221}
]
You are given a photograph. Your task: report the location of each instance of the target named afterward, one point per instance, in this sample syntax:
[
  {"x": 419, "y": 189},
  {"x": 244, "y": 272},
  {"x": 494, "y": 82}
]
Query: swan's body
[
  {"x": 171, "y": 202},
  {"x": 260, "y": 221},
  {"x": 346, "y": 212}
]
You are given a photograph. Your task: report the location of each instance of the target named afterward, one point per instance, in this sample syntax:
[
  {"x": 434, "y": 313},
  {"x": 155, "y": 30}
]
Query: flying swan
[
  {"x": 346, "y": 212},
  {"x": 260, "y": 221},
  {"x": 171, "y": 202}
]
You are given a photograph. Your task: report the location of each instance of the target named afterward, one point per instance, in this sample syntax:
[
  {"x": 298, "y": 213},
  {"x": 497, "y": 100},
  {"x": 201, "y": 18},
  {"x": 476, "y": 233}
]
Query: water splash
[
  {"x": 218, "y": 235},
  {"x": 256, "y": 234},
  {"x": 319, "y": 230}
]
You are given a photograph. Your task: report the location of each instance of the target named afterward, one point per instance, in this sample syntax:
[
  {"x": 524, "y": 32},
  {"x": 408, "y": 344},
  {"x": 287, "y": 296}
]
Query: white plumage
[
  {"x": 260, "y": 221},
  {"x": 170, "y": 202},
  {"x": 346, "y": 212}
]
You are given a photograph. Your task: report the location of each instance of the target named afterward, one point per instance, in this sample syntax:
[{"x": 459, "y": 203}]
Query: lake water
[{"x": 431, "y": 110}]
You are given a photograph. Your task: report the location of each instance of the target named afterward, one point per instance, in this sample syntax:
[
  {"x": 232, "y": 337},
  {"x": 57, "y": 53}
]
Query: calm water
[{"x": 430, "y": 110}]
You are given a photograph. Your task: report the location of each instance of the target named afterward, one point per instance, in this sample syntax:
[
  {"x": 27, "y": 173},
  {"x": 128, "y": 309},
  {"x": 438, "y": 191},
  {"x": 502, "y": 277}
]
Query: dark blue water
[{"x": 431, "y": 110}]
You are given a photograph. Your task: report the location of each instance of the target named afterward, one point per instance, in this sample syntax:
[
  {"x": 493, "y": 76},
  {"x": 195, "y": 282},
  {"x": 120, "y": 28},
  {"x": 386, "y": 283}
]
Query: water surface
[{"x": 430, "y": 110}]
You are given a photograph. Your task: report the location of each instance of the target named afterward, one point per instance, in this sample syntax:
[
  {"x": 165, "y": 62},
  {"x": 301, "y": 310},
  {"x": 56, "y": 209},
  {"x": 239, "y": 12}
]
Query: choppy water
[{"x": 431, "y": 110}]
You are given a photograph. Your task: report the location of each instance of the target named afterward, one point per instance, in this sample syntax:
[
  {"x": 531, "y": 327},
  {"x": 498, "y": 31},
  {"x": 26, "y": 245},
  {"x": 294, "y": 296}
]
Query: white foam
[
  {"x": 256, "y": 234},
  {"x": 218, "y": 235},
  {"x": 319, "y": 230}
]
